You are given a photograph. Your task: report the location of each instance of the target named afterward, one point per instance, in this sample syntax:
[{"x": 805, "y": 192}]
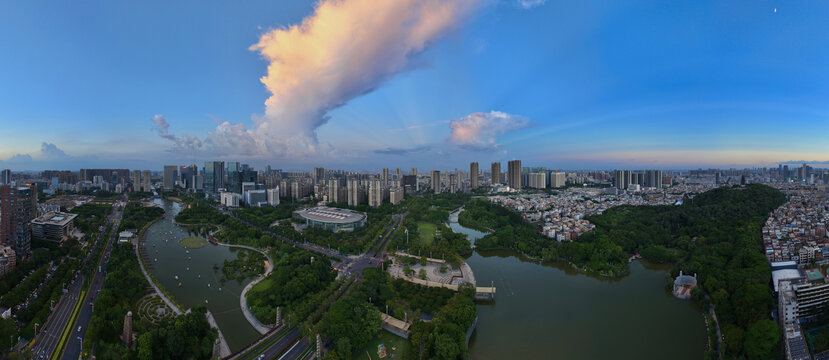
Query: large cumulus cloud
[{"x": 347, "y": 48}]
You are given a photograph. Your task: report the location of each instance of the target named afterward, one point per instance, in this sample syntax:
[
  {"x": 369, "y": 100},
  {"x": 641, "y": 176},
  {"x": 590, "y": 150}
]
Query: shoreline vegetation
[
  {"x": 716, "y": 234},
  {"x": 193, "y": 242}
]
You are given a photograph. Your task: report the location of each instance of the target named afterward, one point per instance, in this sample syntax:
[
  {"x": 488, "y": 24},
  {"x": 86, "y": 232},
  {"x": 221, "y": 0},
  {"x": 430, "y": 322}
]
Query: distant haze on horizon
[{"x": 433, "y": 84}]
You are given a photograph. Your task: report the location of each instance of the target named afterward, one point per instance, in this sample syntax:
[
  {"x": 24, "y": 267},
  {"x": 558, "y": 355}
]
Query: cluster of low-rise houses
[
  {"x": 563, "y": 213},
  {"x": 797, "y": 230}
]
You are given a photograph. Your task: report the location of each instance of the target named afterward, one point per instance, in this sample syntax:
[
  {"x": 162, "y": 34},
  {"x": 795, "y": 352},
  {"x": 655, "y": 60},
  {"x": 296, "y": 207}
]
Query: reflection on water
[
  {"x": 199, "y": 280},
  {"x": 547, "y": 310}
]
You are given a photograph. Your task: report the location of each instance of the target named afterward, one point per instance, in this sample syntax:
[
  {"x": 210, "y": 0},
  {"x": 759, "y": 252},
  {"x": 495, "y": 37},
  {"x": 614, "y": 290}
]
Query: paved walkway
[
  {"x": 243, "y": 301},
  {"x": 160, "y": 293},
  {"x": 224, "y": 349}
]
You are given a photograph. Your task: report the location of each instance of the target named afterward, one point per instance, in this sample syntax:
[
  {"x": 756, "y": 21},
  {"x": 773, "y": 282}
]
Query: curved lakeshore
[
  {"x": 192, "y": 276},
  {"x": 549, "y": 310}
]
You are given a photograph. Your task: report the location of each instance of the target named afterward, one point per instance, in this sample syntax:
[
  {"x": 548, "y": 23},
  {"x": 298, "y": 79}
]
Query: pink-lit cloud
[
  {"x": 480, "y": 131},
  {"x": 345, "y": 49}
]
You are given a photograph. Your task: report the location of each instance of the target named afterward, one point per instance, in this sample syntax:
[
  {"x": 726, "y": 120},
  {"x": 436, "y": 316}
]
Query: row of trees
[
  {"x": 355, "y": 320},
  {"x": 294, "y": 282},
  {"x": 266, "y": 215},
  {"x": 507, "y": 229},
  {"x": 136, "y": 215},
  {"x": 91, "y": 216}
]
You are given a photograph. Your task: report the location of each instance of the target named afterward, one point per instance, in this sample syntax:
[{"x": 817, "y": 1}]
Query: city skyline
[{"x": 635, "y": 85}]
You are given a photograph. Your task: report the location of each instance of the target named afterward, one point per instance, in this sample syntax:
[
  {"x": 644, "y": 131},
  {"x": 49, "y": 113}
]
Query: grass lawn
[
  {"x": 193, "y": 242},
  {"x": 427, "y": 232},
  {"x": 386, "y": 338}
]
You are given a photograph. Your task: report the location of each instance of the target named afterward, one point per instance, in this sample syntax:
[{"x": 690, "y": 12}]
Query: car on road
[{"x": 79, "y": 329}]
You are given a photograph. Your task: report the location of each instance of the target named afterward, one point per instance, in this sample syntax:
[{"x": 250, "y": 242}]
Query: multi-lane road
[
  {"x": 50, "y": 332},
  {"x": 73, "y": 343},
  {"x": 353, "y": 267},
  {"x": 49, "y": 335}
]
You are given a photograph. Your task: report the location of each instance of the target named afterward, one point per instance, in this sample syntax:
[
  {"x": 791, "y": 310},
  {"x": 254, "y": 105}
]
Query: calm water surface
[
  {"x": 173, "y": 261},
  {"x": 547, "y": 311}
]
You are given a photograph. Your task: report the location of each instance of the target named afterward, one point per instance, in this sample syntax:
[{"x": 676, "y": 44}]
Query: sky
[{"x": 433, "y": 84}]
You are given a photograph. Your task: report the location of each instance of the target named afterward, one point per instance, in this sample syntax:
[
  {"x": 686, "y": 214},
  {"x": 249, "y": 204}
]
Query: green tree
[
  {"x": 145, "y": 346},
  {"x": 8, "y": 330},
  {"x": 762, "y": 340}
]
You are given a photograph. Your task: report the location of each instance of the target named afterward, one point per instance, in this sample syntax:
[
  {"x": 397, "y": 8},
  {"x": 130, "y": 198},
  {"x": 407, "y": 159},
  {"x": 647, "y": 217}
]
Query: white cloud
[
  {"x": 529, "y": 4},
  {"x": 183, "y": 142},
  {"x": 347, "y": 48},
  {"x": 479, "y": 131},
  {"x": 51, "y": 151},
  {"x": 20, "y": 158}
]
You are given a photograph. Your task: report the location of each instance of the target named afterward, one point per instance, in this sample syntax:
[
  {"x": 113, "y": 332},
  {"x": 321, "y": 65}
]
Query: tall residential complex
[
  {"x": 417, "y": 183},
  {"x": 334, "y": 191},
  {"x": 319, "y": 175},
  {"x": 385, "y": 177},
  {"x": 18, "y": 207},
  {"x": 375, "y": 193},
  {"x": 653, "y": 178},
  {"x": 214, "y": 176},
  {"x": 514, "y": 174},
  {"x": 495, "y": 174},
  {"x": 537, "y": 180},
  {"x": 557, "y": 179},
  {"x": 170, "y": 174},
  {"x": 621, "y": 179},
  {"x": 436, "y": 181},
  {"x": 147, "y": 181},
  {"x": 136, "y": 180},
  {"x": 473, "y": 175},
  {"x": 5, "y": 177},
  {"x": 355, "y": 192}
]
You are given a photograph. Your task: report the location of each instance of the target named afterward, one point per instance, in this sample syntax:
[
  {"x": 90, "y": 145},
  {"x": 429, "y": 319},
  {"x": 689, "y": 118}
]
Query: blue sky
[{"x": 562, "y": 84}]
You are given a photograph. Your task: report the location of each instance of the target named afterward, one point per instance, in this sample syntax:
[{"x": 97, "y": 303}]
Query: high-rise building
[
  {"x": 396, "y": 195},
  {"x": 495, "y": 173},
  {"x": 355, "y": 192},
  {"x": 514, "y": 174},
  {"x": 622, "y": 179},
  {"x": 136, "y": 180},
  {"x": 319, "y": 175},
  {"x": 214, "y": 176},
  {"x": 170, "y": 174},
  {"x": 273, "y": 196},
  {"x": 375, "y": 193},
  {"x": 18, "y": 207},
  {"x": 334, "y": 191},
  {"x": 558, "y": 179},
  {"x": 453, "y": 183},
  {"x": 114, "y": 176},
  {"x": 147, "y": 181},
  {"x": 417, "y": 184},
  {"x": 473, "y": 175},
  {"x": 398, "y": 174},
  {"x": 385, "y": 177},
  {"x": 5, "y": 177},
  {"x": 436, "y": 181},
  {"x": 538, "y": 180},
  {"x": 653, "y": 178}
]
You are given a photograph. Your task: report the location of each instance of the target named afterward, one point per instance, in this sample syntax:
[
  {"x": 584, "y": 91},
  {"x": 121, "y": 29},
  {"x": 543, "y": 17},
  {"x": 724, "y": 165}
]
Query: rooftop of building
[
  {"x": 331, "y": 215},
  {"x": 55, "y": 218}
]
